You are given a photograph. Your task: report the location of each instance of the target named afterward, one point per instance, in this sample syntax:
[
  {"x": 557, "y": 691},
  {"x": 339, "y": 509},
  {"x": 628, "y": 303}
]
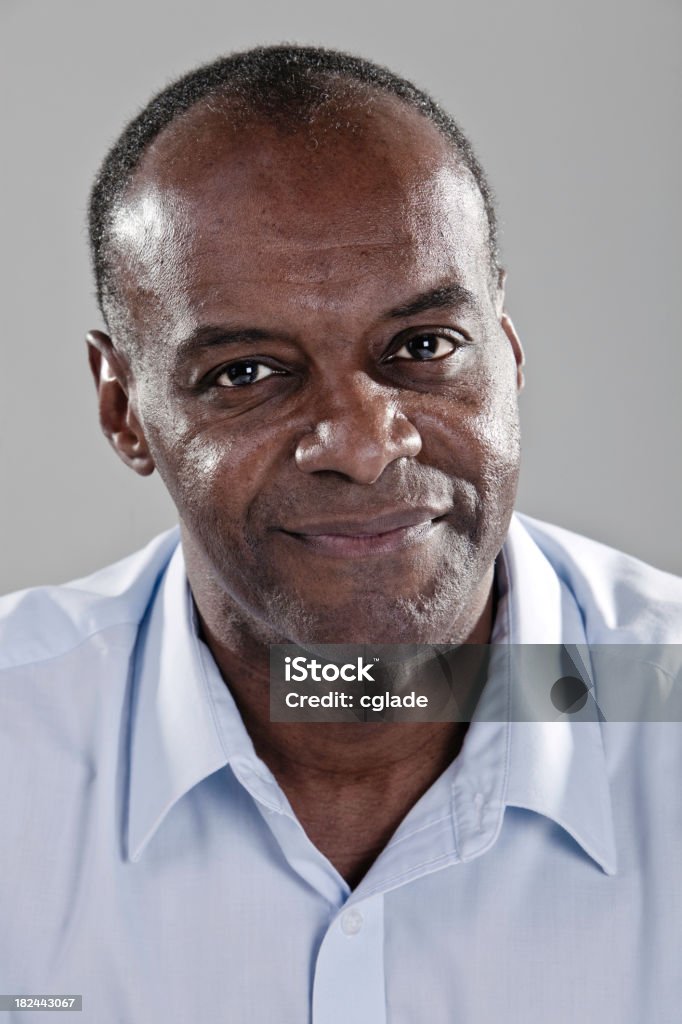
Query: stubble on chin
[{"x": 444, "y": 609}]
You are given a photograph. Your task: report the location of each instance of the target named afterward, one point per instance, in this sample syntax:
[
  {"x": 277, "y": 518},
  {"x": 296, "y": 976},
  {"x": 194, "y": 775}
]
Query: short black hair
[{"x": 282, "y": 84}]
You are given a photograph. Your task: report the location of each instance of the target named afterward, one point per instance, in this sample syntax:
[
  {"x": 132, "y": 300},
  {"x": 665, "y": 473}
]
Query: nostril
[
  {"x": 313, "y": 444},
  {"x": 358, "y": 447}
]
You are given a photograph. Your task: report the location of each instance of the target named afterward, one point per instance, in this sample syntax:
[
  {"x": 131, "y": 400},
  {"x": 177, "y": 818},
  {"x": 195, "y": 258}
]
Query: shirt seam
[
  {"x": 393, "y": 880},
  {"x": 421, "y": 828},
  {"x": 68, "y": 650}
]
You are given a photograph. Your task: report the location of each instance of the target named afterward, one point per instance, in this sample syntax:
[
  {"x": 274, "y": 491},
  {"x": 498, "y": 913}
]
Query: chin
[{"x": 400, "y": 621}]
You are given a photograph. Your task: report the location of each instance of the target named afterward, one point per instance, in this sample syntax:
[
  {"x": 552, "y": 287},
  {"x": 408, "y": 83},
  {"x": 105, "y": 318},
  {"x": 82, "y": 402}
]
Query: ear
[
  {"x": 509, "y": 329},
  {"x": 117, "y": 416}
]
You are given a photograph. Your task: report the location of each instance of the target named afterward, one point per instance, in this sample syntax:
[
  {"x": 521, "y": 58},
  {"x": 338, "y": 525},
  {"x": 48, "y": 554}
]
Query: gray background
[{"x": 574, "y": 111}]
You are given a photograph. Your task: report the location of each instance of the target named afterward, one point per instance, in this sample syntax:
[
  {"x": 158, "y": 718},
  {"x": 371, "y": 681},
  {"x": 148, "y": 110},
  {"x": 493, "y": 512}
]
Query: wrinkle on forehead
[
  {"x": 430, "y": 231},
  {"x": 186, "y": 232},
  {"x": 334, "y": 221}
]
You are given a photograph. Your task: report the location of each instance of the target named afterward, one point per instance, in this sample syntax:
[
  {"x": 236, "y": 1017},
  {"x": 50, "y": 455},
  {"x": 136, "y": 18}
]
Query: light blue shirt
[{"x": 150, "y": 861}]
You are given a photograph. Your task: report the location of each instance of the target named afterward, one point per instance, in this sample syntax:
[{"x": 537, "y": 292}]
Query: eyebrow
[
  {"x": 445, "y": 296},
  {"x": 213, "y": 335},
  {"x": 451, "y": 295}
]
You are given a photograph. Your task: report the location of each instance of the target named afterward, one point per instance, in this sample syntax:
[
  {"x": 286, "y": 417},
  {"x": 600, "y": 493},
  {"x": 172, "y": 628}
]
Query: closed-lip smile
[{"x": 358, "y": 535}]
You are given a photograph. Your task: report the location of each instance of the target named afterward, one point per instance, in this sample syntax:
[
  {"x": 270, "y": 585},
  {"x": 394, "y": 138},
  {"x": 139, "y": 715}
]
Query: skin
[{"x": 292, "y": 258}]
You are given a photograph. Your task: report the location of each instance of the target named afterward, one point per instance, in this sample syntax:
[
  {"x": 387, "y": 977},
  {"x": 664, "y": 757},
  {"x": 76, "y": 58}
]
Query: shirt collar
[
  {"x": 556, "y": 768},
  {"x": 174, "y": 740},
  {"x": 185, "y": 725}
]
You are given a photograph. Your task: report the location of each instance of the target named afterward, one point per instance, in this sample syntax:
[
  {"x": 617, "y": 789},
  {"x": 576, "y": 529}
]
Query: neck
[{"x": 347, "y": 750}]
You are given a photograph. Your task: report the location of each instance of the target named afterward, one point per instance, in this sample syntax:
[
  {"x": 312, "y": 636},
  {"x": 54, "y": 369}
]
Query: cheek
[
  {"x": 497, "y": 427},
  {"x": 204, "y": 470},
  {"x": 474, "y": 428},
  {"x": 500, "y": 447},
  {"x": 498, "y": 440},
  {"x": 197, "y": 464},
  {"x": 218, "y": 478}
]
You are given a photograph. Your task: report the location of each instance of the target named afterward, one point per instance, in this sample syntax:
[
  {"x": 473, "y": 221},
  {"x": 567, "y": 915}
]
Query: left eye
[
  {"x": 423, "y": 347},
  {"x": 247, "y": 371}
]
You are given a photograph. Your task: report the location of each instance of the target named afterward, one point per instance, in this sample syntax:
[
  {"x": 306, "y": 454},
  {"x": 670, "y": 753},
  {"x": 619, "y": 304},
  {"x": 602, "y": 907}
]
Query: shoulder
[
  {"x": 43, "y": 623},
  {"x": 622, "y": 599}
]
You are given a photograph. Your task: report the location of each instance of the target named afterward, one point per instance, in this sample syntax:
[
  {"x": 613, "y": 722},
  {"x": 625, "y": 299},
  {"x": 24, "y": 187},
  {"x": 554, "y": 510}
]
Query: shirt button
[{"x": 351, "y": 922}]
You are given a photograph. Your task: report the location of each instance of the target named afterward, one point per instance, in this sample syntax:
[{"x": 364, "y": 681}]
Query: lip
[{"x": 360, "y": 537}]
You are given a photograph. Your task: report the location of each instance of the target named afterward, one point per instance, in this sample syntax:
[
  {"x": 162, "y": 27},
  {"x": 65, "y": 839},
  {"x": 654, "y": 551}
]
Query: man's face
[{"x": 325, "y": 383}]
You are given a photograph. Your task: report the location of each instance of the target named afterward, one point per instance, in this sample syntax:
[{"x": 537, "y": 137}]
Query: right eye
[
  {"x": 426, "y": 347},
  {"x": 242, "y": 373}
]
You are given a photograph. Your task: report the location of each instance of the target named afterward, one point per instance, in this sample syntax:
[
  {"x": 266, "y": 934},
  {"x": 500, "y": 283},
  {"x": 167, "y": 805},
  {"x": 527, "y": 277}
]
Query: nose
[{"x": 360, "y": 432}]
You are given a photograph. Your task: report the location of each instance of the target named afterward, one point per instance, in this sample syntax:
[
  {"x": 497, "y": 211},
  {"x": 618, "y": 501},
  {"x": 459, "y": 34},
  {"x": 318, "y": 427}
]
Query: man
[{"x": 296, "y": 259}]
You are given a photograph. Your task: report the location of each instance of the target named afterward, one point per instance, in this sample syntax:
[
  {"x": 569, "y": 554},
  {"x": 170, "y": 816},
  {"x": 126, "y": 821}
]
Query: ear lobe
[
  {"x": 517, "y": 348},
  {"x": 117, "y": 416}
]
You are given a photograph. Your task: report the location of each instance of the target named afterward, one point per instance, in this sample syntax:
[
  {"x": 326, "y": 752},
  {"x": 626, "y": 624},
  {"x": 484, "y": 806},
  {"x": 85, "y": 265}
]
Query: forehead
[{"x": 218, "y": 209}]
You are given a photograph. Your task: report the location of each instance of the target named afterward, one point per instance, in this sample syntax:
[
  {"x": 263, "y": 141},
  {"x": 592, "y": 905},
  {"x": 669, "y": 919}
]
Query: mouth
[{"x": 363, "y": 537}]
